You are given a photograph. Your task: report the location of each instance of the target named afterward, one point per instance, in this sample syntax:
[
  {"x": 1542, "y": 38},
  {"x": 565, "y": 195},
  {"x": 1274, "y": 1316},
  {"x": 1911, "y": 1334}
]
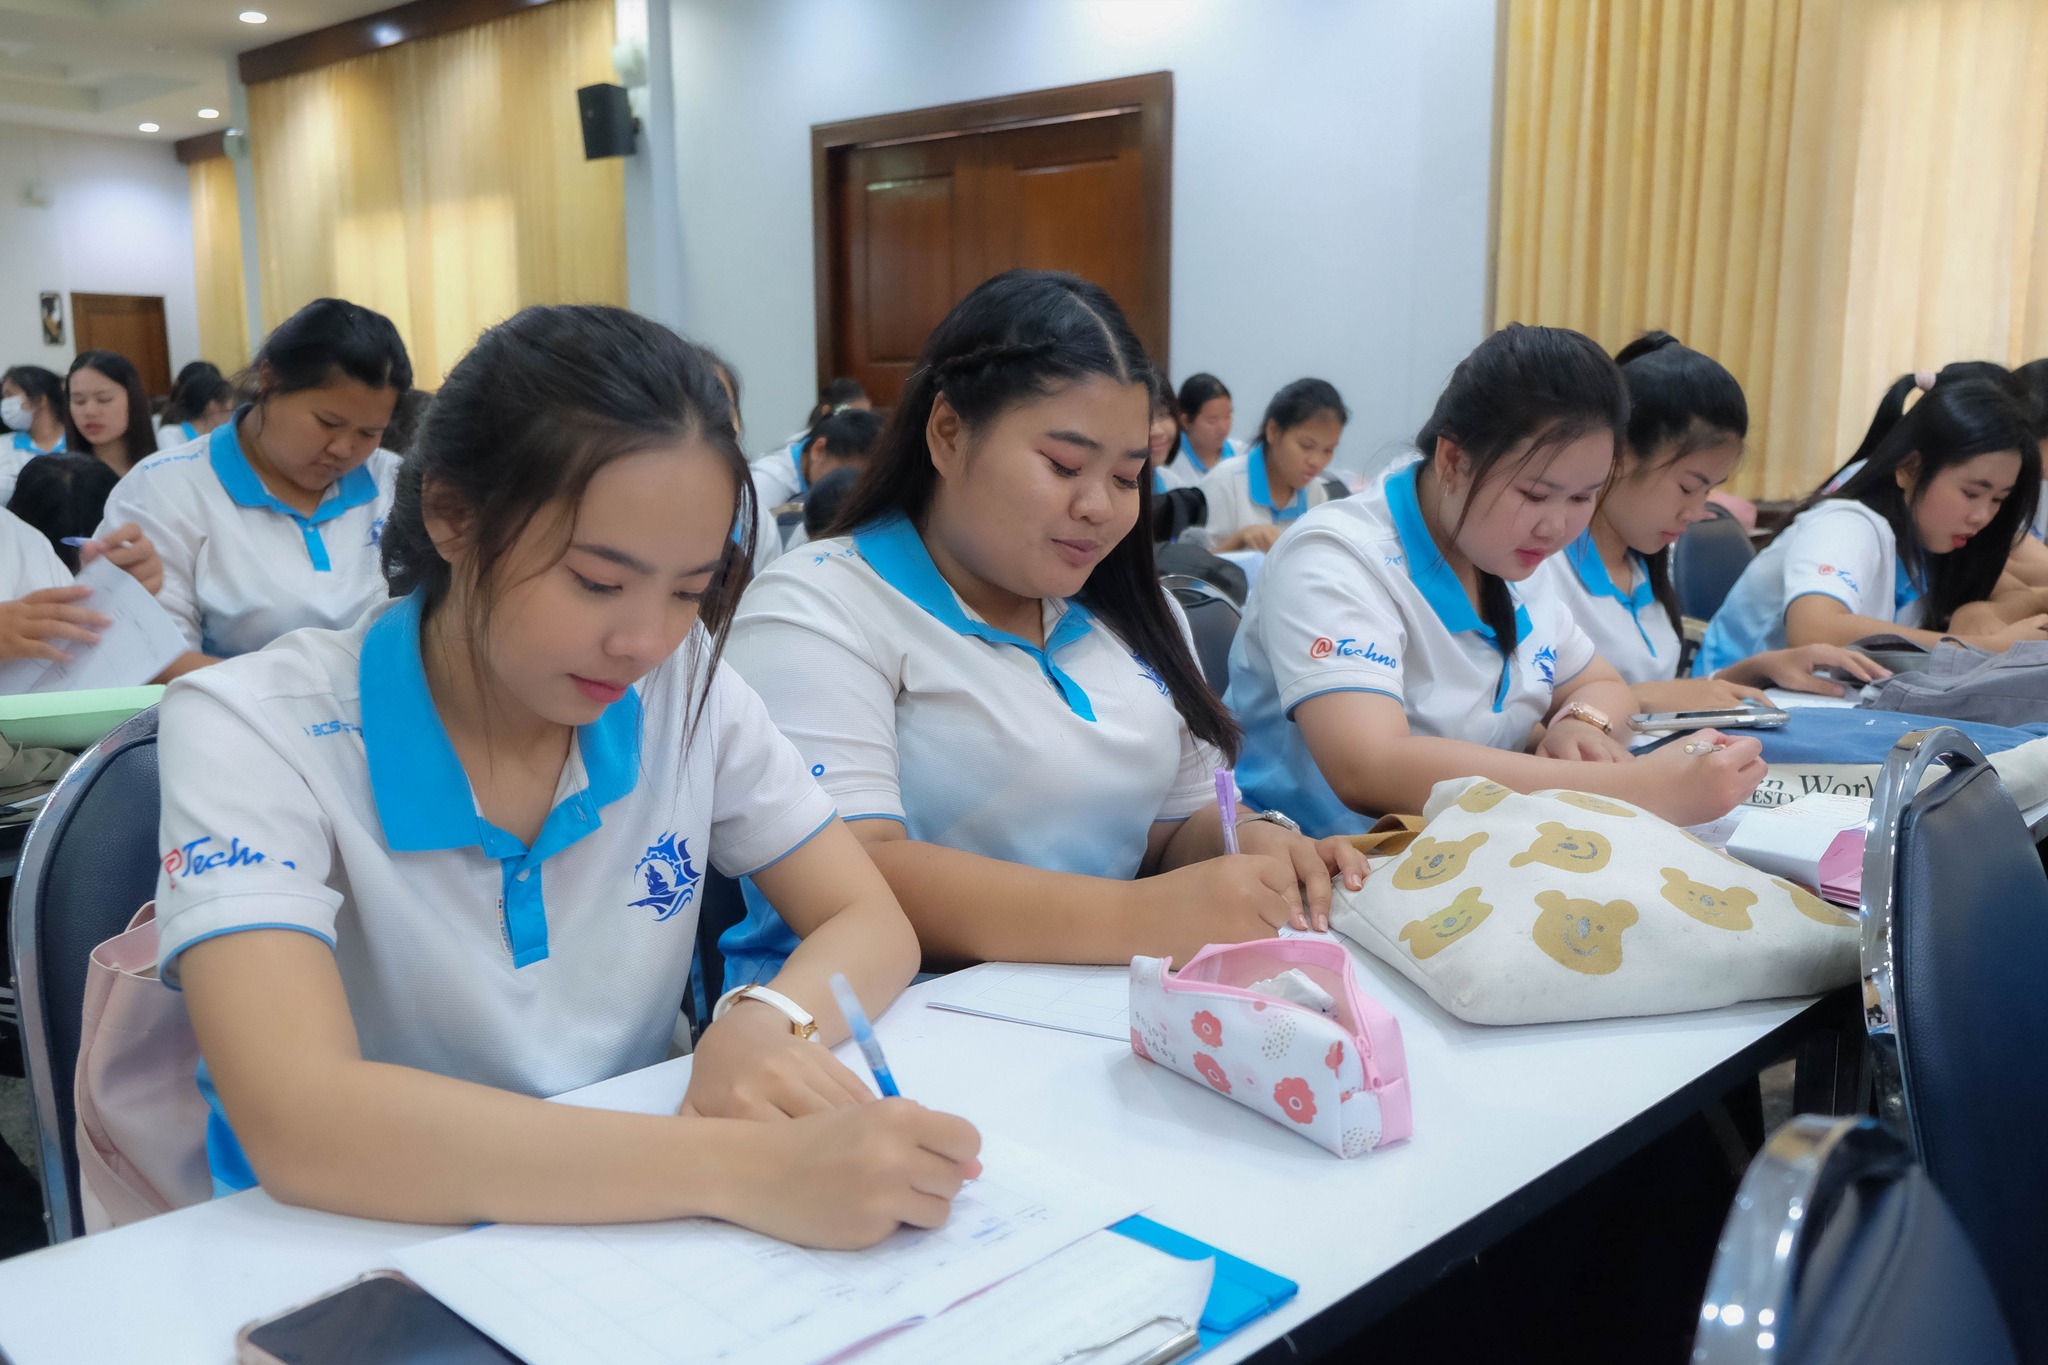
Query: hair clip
[{"x": 1924, "y": 379}]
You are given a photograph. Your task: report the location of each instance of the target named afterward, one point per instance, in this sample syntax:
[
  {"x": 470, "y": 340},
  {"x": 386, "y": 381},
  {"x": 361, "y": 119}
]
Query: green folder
[{"x": 71, "y": 720}]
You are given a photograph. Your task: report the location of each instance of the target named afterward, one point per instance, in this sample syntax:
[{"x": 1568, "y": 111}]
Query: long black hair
[
  {"x": 1018, "y": 336},
  {"x": 1549, "y": 386},
  {"x": 1196, "y": 391},
  {"x": 63, "y": 496},
  {"x": 1974, "y": 408},
  {"x": 36, "y": 382},
  {"x": 140, "y": 438},
  {"x": 1303, "y": 401},
  {"x": 541, "y": 403},
  {"x": 199, "y": 385},
  {"x": 1679, "y": 401},
  {"x": 330, "y": 339}
]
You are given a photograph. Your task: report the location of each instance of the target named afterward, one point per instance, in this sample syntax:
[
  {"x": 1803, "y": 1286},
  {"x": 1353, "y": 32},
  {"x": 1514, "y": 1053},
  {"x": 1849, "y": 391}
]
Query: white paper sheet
[
  {"x": 697, "y": 1290},
  {"x": 1092, "y": 1000},
  {"x": 1091, "y": 1303},
  {"x": 137, "y": 646}
]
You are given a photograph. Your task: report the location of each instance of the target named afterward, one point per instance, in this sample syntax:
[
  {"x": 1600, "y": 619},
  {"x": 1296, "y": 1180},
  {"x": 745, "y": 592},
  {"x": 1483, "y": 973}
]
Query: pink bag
[
  {"x": 141, "y": 1120},
  {"x": 1338, "y": 1079}
]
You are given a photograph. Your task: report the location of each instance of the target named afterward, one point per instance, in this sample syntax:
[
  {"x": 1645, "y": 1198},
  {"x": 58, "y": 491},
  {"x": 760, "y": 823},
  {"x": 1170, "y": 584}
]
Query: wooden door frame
[{"x": 1149, "y": 96}]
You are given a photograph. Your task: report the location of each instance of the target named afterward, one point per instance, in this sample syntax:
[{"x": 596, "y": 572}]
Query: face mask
[{"x": 14, "y": 412}]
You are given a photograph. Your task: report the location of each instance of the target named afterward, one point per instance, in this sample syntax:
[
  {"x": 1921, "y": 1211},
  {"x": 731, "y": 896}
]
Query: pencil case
[{"x": 1280, "y": 1026}]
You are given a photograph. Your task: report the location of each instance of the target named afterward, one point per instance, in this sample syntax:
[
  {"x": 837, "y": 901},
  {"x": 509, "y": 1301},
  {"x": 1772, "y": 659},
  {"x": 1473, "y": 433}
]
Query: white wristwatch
[{"x": 799, "y": 1017}]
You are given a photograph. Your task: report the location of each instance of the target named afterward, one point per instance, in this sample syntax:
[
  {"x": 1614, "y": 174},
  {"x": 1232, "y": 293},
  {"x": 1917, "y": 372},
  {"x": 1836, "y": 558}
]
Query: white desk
[{"x": 1507, "y": 1122}]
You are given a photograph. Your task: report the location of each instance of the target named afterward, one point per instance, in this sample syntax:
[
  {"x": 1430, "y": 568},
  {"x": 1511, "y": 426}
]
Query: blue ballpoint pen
[{"x": 864, "y": 1035}]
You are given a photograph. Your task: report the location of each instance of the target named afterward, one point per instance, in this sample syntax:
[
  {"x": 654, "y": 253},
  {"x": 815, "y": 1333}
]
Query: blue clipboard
[{"x": 1240, "y": 1294}]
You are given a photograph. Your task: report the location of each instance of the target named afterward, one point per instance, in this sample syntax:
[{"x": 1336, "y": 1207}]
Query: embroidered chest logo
[
  {"x": 1843, "y": 574},
  {"x": 376, "y": 532},
  {"x": 1152, "y": 676},
  {"x": 668, "y": 877},
  {"x": 1546, "y": 664}
]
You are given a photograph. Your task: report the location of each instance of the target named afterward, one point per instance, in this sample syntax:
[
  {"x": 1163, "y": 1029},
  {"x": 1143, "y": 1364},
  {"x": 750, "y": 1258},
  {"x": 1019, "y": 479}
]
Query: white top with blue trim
[
  {"x": 1239, "y": 495},
  {"x": 779, "y": 475},
  {"x": 1356, "y": 597},
  {"x": 1838, "y": 548},
  {"x": 348, "y": 816},
  {"x": 1186, "y": 468},
  {"x": 909, "y": 707},
  {"x": 15, "y": 455},
  {"x": 240, "y": 567},
  {"x": 1630, "y": 629},
  {"x": 27, "y": 563}
]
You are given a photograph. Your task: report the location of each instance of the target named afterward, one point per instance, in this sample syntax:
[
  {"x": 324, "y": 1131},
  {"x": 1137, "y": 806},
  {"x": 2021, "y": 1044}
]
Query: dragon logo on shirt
[
  {"x": 668, "y": 876},
  {"x": 1843, "y": 574},
  {"x": 376, "y": 533},
  {"x": 1546, "y": 665},
  {"x": 1152, "y": 675}
]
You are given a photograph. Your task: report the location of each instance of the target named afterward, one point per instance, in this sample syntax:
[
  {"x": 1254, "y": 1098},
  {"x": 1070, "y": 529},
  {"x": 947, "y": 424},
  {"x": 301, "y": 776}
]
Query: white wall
[
  {"x": 1331, "y": 170},
  {"x": 119, "y": 222}
]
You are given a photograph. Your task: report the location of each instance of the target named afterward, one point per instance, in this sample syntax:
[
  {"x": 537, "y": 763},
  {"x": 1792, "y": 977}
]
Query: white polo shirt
[
  {"x": 779, "y": 475},
  {"x": 311, "y": 786},
  {"x": 27, "y": 562},
  {"x": 1185, "y": 469},
  {"x": 1239, "y": 495},
  {"x": 909, "y": 707},
  {"x": 1838, "y": 548},
  {"x": 1356, "y": 597},
  {"x": 15, "y": 455},
  {"x": 1630, "y": 629},
  {"x": 240, "y": 567}
]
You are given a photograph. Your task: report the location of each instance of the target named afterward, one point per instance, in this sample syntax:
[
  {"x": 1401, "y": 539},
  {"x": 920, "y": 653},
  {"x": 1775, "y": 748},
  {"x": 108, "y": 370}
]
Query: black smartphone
[{"x": 380, "y": 1319}]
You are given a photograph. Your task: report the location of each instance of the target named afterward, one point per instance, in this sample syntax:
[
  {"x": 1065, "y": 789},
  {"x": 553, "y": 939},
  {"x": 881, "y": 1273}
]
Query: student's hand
[
  {"x": 751, "y": 1065},
  {"x": 128, "y": 549},
  {"x": 1583, "y": 741},
  {"x": 1218, "y": 900},
  {"x": 1793, "y": 669},
  {"x": 29, "y": 625},
  {"x": 1699, "y": 777},
  {"x": 1259, "y": 538},
  {"x": 847, "y": 1178},
  {"x": 1315, "y": 862},
  {"x": 1695, "y": 694},
  {"x": 2033, "y": 628}
]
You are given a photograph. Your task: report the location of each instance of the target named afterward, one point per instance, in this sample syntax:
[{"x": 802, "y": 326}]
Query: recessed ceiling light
[
  {"x": 209, "y": 113},
  {"x": 252, "y": 16},
  {"x": 146, "y": 127}
]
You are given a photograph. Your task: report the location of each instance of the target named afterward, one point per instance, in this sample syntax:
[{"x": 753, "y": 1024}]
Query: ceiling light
[
  {"x": 252, "y": 16},
  {"x": 209, "y": 113},
  {"x": 146, "y": 127}
]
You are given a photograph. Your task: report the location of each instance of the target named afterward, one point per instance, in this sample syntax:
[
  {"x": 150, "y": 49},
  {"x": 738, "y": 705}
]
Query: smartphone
[
  {"x": 1726, "y": 718},
  {"x": 380, "y": 1319}
]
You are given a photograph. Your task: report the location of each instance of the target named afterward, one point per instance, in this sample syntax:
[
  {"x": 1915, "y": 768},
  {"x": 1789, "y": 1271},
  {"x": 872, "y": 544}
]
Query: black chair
[
  {"x": 1336, "y": 487},
  {"x": 1705, "y": 563},
  {"x": 89, "y": 863},
  {"x": 721, "y": 907},
  {"x": 1840, "y": 1251},
  {"x": 1955, "y": 941},
  {"x": 1213, "y": 618}
]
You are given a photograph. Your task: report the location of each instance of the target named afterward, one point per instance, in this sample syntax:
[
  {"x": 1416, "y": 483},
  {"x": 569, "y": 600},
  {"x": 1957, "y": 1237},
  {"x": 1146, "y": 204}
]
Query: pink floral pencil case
[{"x": 1280, "y": 1026}]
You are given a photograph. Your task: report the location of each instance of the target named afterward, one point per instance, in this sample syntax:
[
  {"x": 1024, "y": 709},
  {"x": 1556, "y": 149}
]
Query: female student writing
[
  {"x": 458, "y": 867},
  {"x": 273, "y": 522},
  {"x": 200, "y": 401},
  {"x": 981, "y": 668},
  {"x": 32, "y": 407},
  {"x": 1383, "y": 649},
  {"x": 107, "y": 413},
  {"x": 1205, "y": 418},
  {"x": 1255, "y": 496},
  {"x": 1686, "y": 423},
  {"x": 1919, "y": 527}
]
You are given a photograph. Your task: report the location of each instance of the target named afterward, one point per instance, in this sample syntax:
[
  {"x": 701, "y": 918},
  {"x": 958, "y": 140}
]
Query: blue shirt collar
[
  {"x": 796, "y": 457},
  {"x": 422, "y": 792},
  {"x": 1431, "y": 574},
  {"x": 1905, "y": 591},
  {"x": 1584, "y": 557},
  {"x": 895, "y": 551},
  {"x": 1262, "y": 488},
  {"x": 24, "y": 441},
  {"x": 1187, "y": 452},
  {"x": 242, "y": 484},
  {"x": 1159, "y": 489}
]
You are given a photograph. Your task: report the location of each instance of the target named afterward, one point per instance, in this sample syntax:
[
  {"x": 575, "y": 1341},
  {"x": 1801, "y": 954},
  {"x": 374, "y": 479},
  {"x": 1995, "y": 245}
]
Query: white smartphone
[{"x": 1725, "y": 718}]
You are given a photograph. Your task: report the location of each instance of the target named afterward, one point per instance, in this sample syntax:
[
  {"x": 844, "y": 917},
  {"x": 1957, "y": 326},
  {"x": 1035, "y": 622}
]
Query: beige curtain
[
  {"x": 1823, "y": 194},
  {"x": 442, "y": 182},
  {"x": 217, "y": 264}
]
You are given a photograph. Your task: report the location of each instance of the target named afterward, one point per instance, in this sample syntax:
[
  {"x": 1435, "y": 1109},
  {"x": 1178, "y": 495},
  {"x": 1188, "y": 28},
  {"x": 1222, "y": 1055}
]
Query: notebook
[{"x": 1091, "y": 1000}]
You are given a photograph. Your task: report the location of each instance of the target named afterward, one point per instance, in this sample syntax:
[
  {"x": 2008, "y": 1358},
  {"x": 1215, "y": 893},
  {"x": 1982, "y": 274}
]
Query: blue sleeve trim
[
  {"x": 1823, "y": 592},
  {"x": 876, "y": 815},
  {"x": 167, "y": 975},
  {"x": 793, "y": 847},
  {"x": 1374, "y": 691}
]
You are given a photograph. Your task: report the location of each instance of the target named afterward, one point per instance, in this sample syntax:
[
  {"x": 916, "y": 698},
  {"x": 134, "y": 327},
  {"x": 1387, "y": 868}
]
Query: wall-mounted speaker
[{"x": 608, "y": 122}]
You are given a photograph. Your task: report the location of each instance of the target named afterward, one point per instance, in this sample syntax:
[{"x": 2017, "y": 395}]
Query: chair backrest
[
  {"x": 1840, "y": 1251},
  {"x": 1705, "y": 563},
  {"x": 89, "y": 863},
  {"x": 1336, "y": 487},
  {"x": 1955, "y": 940},
  {"x": 1213, "y": 618}
]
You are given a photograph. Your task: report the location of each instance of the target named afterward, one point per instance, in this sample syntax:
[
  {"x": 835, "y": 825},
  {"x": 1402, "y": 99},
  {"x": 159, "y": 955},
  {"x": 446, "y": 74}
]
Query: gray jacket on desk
[{"x": 1963, "y": 682}]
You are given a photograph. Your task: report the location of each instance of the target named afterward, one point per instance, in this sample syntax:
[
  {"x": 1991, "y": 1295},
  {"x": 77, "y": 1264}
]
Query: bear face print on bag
[
  {"x": 1428, "y": 937},
  {"x": 1430, "y": 861},
  {"x": 1565, "y": 848},
  {"x": 1582, "y": 935},
  {"x": 1722, "y": 907}
]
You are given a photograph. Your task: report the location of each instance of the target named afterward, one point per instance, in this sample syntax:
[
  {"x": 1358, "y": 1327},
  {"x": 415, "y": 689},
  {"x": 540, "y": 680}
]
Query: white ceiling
[{"x": 105, "y": 66}]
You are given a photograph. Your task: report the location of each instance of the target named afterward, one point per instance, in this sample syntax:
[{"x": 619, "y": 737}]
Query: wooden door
[
  {"x": 914, "y": 210},
  {"x": 130, "y": 325}
]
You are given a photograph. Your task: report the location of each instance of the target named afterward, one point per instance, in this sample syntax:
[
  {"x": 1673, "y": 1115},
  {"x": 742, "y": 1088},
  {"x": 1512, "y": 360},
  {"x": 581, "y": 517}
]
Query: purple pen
[{"x": 1226, "y": 807}]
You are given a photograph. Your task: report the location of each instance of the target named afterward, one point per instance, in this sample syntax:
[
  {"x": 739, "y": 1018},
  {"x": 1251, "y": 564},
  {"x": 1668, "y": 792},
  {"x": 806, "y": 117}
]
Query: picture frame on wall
[{"x": 53, "y": 320}]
